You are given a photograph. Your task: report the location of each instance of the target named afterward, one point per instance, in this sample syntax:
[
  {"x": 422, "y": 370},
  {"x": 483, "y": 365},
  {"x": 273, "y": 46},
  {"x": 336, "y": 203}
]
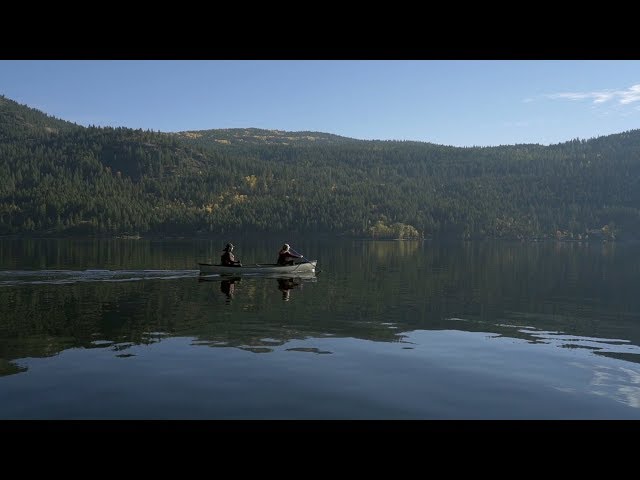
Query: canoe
[{"x": 302, "y": 267}]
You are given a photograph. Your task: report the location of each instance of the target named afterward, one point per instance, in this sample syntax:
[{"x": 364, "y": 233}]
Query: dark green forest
[{"x": 60, "y": 178}]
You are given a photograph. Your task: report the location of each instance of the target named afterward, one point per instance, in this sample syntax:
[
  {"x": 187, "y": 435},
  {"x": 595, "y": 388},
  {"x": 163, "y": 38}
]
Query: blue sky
[{"x": 449, "y": 102}]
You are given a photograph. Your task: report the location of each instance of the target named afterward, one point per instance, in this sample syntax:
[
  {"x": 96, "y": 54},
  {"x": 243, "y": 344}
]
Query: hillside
[
  {"x": 256, "y": 136},
  {"x": 20, "y": 122},
  {"x": 61, "y": 178}
]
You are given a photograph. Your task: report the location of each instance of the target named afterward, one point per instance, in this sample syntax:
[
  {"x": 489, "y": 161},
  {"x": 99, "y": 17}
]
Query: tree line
[{"x": 57, "y": 177}]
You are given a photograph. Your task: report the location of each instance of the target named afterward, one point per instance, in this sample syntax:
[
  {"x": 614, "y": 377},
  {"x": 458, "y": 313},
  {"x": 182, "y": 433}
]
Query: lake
[{"x": 128, "y": 329}]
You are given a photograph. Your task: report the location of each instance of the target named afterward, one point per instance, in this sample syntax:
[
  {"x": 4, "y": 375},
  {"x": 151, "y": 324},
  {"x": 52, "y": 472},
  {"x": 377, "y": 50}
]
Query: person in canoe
[
  {"x": 285, "y": 256},
  {"x": 228, "y": 259}
]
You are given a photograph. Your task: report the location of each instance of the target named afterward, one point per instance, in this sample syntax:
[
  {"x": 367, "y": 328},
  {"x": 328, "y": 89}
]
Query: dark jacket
[
  {"x": 286, "y": 257},
  {"x": 228, "y": 258}
]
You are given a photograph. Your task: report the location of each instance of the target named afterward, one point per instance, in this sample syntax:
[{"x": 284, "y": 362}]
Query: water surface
[{"x": 128, "y": 329}]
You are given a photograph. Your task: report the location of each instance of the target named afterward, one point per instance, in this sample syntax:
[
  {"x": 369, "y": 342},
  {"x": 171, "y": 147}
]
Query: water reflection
[
  {"x": 285, "y": 285},
  {"x": 228, "y": 287},
  {"x": 558, "y": 302},
  {"x": 620, "y": 383}
]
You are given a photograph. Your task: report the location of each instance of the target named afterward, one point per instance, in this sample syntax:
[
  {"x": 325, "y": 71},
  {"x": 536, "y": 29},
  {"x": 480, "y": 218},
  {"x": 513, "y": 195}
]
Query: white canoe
[{"x": 302, "y": 267}]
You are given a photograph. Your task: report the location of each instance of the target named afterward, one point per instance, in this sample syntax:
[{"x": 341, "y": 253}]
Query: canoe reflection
[{"x": 228, "y": 285}]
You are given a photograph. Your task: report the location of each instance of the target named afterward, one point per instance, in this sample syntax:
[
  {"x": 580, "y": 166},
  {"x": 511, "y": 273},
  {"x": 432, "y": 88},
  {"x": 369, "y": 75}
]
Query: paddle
[
  {"x": 304, "y": 258},
  {"x": 301, "y": 256}
]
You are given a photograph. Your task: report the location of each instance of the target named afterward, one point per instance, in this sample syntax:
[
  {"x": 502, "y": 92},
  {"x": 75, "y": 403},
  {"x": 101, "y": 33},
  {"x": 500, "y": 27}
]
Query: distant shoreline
[{"x": 323, "y": 236}]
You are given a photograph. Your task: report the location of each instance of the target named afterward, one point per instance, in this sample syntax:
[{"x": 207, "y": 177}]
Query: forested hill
[
  {"x": 256, "y": 136},
  {"x": 57, "y": 177},
  {"x": 19, "y": 122}
]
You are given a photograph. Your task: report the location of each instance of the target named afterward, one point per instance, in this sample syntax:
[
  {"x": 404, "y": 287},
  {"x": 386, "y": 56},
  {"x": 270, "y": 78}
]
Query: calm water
[{"x": 126, "y": 329}]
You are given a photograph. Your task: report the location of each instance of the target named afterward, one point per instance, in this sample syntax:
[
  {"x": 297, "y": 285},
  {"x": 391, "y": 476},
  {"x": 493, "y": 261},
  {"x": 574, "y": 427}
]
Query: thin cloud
[
  {"x": 623, "y": 97},
  {"x": 631, "y": 95}
]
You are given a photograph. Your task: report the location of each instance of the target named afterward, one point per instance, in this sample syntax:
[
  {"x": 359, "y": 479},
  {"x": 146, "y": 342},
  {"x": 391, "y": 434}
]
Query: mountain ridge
[{"x": 252, "y": 135}]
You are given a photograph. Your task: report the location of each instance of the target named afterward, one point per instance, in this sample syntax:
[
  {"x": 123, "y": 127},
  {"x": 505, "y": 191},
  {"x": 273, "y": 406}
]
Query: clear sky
[{"x": 449, "y": 102}]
